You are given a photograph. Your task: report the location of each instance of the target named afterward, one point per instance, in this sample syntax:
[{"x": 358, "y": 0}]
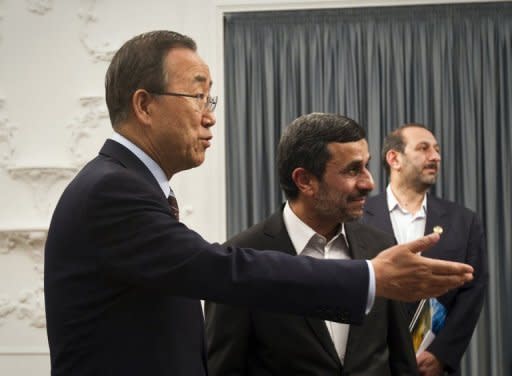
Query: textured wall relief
[
  {"x": 84, "y": 130},
  {"x": 100, "y": 50},
  {"x": 40, "y": 7},
  {"x": 6, "y": 135},
  {"x": 29, "y": 304},
  {"x": 41, "y": 181},
  {"x": 30, "y": 239},
  {"x": 7, "y": 307}
]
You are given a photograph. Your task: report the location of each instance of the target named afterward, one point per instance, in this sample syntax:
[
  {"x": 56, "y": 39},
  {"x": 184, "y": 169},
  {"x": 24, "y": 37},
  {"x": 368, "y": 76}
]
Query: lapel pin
[{"x": 438, "y": 230}]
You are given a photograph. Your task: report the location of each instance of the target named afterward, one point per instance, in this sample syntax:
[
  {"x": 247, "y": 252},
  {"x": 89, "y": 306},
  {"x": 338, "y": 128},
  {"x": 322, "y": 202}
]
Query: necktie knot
[{"x": 173, "y": 206}]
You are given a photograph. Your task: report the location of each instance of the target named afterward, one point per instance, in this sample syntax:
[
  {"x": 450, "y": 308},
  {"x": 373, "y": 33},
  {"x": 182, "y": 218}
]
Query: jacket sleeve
[{"x": 139, "y": 243}]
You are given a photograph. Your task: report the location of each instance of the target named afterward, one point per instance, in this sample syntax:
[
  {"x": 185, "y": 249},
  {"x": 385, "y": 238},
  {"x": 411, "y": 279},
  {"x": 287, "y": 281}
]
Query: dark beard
[{"x": 324, "y": 207}]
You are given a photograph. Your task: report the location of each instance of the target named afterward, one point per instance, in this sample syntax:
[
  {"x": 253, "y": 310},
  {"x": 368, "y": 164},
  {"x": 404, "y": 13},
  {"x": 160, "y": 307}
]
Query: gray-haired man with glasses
[{"x": 123, "y": 276}]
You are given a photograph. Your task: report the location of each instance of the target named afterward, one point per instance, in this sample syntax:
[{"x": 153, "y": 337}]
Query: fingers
[
  {"x": 436, "y": 285},
  {"x": 421, "y": 358},
  {"x": 442, "y": 267},
  {"x": 423, "y": 243}
]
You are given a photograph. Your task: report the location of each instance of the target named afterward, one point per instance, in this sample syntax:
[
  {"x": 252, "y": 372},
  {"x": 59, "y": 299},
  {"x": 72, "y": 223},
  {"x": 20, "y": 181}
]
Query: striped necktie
[{"x": 173, "y": 206}]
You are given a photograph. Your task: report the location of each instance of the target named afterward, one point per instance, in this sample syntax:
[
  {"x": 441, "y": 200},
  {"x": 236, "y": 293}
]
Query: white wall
[{"x": 53, "y": 57}]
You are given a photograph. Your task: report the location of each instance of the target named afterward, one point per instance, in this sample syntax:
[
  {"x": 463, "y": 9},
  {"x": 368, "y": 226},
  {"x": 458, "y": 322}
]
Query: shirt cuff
[{"x": 371, "y": 288}]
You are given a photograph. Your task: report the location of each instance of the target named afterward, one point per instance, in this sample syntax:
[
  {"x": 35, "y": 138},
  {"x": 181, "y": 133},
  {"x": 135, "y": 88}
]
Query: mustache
[
  {"x": 432, "y": 165},
  {"x": 361, "y": 194}
]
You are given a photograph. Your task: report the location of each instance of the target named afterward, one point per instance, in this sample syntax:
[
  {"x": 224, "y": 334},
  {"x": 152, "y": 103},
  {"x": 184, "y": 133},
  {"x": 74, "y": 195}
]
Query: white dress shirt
[
  {"x": 155, "y": 169},
  {"x": 406, "y": 226},
  {"x": 308, "y": 243}
]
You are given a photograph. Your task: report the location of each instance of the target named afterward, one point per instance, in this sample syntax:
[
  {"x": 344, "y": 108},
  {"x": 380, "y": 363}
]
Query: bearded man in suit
[
  {"x": 323, "y": 171},
  {"x": 411, "y": 156}
]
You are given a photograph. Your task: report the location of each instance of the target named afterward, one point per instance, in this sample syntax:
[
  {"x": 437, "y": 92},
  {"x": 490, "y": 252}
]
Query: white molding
[
  {"x": 39, "y": 227},
  {"x": 23, "y": 350},
  {"x": 39, "y": 7},
  {"x": 226, "y": 6},
  {"x": 41, "y": 179},
  {"x": 100, "y": 51},
  {"x": 84, "y": 128}
]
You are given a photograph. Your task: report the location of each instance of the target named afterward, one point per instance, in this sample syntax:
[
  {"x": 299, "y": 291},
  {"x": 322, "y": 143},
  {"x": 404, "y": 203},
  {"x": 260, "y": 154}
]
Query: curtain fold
[{"x": 447, "y": 66}]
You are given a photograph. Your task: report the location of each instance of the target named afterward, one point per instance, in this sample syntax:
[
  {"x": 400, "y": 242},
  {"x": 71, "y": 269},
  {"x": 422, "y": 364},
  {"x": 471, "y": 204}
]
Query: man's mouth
[
  {"x": 206, "y": 142},
  {"x": 431, "y": 168},
  {"x": 359, "y": 199}
]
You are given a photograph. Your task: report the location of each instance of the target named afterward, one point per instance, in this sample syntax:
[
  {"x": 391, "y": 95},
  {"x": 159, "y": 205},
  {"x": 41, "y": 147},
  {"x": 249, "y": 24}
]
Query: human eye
[{"x": 353, "y": 171}]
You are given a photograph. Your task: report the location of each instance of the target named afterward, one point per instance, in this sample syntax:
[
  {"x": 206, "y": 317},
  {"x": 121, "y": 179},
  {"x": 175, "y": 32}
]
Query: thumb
[{"x": 421, "y": 244}]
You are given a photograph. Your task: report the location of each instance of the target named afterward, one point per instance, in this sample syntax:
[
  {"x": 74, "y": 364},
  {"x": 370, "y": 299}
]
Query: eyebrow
[
  {"x": 202, "y": 79},
  {"x": 357, "y": 162},
  {"x": 428, "y": 144}
]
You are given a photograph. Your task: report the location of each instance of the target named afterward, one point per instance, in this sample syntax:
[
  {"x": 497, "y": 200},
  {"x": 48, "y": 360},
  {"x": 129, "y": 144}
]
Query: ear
[
  {"x": 142, "y": 106},
  {"x": 305, "y": 181},
  {"x": 393, "y": 160}
]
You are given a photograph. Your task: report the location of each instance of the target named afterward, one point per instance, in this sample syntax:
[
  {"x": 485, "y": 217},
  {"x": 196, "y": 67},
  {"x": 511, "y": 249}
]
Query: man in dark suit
[
  {"x": 412, "y": 159},
  {"x": 123, "y": 277},
  {"x": 322, "y": 163}
]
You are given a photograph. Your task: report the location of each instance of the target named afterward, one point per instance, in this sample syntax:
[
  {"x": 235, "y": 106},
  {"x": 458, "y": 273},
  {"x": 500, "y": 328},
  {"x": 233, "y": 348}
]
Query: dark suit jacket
[
  {"x": 123, "y": 278},
  {"x": 244, "y": 341},
  {"x": 462, "y": 240}
]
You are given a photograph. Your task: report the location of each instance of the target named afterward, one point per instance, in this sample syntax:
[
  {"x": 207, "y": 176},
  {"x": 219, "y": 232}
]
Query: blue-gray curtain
[{"x": 447, "y": 66}]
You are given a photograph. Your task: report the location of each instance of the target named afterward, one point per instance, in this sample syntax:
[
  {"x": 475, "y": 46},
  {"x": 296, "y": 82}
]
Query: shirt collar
[
  {"x": 300, "y": 233},
  {"x": 155, "y": 169},
  {"x": 393, "y": 203}
]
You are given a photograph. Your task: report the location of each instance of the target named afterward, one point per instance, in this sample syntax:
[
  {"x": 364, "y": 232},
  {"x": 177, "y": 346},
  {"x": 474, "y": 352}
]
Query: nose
[
  {"x": 366, "y": 182},
  {"x": 209, "y": 119},
  {"x": 435, "y": 156}
]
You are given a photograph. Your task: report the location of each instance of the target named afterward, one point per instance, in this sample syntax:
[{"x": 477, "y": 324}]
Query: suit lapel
[
  {"x": 377, "y": 211},
  {"x": 359, "y": 250},
  {"x": 436, "y": 216},
  {"x": 322, "y": 334},
  {"x": 275, "y": 229},
  {"x": 357, "y": 241}
]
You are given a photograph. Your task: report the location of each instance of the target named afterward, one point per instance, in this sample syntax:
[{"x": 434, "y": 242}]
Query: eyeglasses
[{"x": 208, "y": 103}]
